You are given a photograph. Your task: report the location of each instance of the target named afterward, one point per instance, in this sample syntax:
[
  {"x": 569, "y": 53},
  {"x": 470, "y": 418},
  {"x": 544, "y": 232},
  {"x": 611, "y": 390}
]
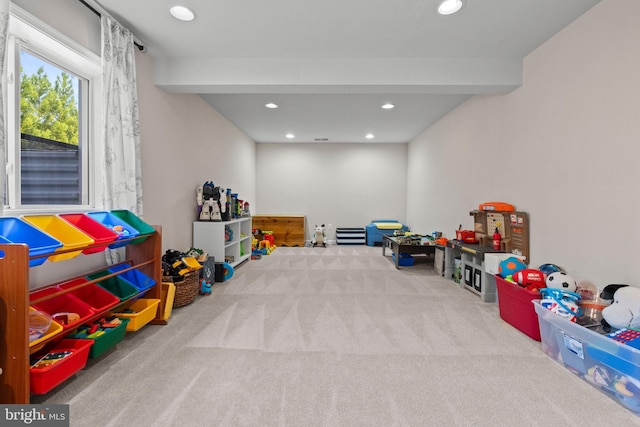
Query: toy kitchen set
[{"x": 499, "y": 231}]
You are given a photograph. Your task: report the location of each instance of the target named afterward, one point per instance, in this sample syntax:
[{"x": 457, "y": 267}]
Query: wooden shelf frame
[{"x": 145, "y": 256}]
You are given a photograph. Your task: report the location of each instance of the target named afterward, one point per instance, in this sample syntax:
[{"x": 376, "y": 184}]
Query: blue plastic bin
[
  {"x": 112, "y": 222},
  {"x": 138, "y": 279},
  {"x": 15, "y": 230},
  {"x": 405, "y": 260}
]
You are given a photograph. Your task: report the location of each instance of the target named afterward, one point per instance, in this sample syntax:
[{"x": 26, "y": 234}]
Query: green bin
[{"x": 134, "y": 221}]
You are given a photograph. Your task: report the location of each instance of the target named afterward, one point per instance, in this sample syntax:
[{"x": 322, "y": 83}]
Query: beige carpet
[{"x": 333, "y": 337}]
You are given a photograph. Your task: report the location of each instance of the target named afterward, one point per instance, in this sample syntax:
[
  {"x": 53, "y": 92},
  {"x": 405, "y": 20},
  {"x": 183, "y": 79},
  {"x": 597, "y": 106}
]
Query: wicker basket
[{"x": 186, "y": 288}]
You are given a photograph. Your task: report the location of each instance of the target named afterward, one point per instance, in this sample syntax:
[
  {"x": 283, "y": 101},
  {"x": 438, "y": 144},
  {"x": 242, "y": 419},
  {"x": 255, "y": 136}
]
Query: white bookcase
[{"x": 210, "y": 236}]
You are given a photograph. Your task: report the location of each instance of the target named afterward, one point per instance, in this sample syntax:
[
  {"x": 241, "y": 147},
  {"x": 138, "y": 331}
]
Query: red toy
[{"x": 530, "y": 279}]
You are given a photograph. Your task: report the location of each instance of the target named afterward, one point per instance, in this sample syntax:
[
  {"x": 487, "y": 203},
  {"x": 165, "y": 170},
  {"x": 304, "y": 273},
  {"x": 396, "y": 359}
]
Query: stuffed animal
[
  {"x": 624, "y": 312},
  {"x": 319, "y": 236}
]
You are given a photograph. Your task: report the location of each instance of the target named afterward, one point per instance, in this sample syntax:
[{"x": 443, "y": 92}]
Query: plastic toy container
[
  {"x": 610, "y": 366},
  {"x": 100, "y": 234},
  {"x": 514, "y": 303},
  {"x": 117, "y": 286},
  {"x": 15, "y": 230},
  {"x": 107, "y": 340},
  {"x": 67, "y": 234},
  {"x": 136, "y": 222},
  {"x": 111, "y": 337},
  {"x": 405, "y": 260},
  {"x": 98, "y": 298},
  {"x": 115, "y": 224},
  {"x": 141, "y": 312},
  {"x": 137, "y": 278},
  {"x": 37, "y": 343},
  {"x": 44, "y": 379},
  {"x": 57, "y": 305}
]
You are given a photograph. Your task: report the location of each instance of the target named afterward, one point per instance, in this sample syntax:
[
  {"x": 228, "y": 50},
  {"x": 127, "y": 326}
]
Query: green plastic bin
[
  {"x": 117, "y": 286},
  {"x": 106, "y": 341},
  {"x": 136, "y": 222}
]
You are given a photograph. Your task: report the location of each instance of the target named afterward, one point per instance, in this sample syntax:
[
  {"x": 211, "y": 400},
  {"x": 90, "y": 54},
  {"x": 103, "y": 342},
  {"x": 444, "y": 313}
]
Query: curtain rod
[{"x": 97, "y": 12}]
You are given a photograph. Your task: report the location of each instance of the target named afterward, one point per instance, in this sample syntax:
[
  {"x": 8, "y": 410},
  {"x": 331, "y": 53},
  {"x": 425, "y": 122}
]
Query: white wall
[
  {"x": 345, "y": 185},
  {"x": 185, "y": 142},
  {"x": 564, "y": 147},
  {"x": 71, "y": 18}
]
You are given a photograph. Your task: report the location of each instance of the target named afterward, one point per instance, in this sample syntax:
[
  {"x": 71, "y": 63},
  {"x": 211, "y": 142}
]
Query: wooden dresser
[{"x": 288, "y": 230}]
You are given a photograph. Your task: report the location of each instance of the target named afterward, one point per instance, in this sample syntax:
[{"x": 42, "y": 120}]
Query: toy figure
[
  {"x": 209, "y": 195},
  {"x": 205, "y": 287},
  {"x": 319, "y": 237}
]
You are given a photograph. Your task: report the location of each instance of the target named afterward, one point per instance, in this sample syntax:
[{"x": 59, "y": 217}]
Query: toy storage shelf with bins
[
  {"x": 18, "y": 381},
  {"x": 226, "y": 241}
]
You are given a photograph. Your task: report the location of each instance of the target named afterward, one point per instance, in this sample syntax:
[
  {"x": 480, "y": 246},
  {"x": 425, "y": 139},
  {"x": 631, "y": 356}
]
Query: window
[{"x": 53, "y": 110}]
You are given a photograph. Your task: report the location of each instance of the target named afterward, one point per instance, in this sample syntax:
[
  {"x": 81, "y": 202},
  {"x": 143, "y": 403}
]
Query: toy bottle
[{"x": 496, "y": 240}]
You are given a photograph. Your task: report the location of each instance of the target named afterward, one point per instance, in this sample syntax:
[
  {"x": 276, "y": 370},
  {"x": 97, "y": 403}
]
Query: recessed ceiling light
[
  {"x": 271, "y": 105},
  {"x": 182, "y": 13},
  {"x": 369, "y": 136},
  {"x": 290, "y": 136},
  {"x": 448, "y": 7},
  {"x": 388, "y": 106}
]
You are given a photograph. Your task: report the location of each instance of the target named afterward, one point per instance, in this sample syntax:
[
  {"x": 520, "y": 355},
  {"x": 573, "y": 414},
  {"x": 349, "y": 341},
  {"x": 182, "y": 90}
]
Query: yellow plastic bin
[
  {"x": 141, "y": 312},
  {"x": 39, "y": 341},
  {"x": 61, "y": 230}
]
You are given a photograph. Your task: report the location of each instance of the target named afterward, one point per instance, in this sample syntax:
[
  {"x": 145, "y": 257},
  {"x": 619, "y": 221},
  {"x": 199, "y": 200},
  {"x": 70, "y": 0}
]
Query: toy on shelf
[
  {"x": 224, "y": 202},
  {"x": 245, "y": 210},
  {"x": 228, "y": 234},
  {"x": 208, "y": 199}
]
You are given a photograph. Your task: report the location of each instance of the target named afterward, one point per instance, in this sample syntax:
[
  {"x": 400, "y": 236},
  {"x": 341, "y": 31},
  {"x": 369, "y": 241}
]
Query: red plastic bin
[
  {"x": 64, "y": 303},
  {"x": 98, "y": 232},
  {"x": 96, "y": 297},
  {"x": 516, "y": 307},
  {"x": 43, "y": 380}
]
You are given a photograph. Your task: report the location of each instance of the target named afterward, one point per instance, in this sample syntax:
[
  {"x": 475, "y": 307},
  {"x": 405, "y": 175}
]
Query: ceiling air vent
[{"x": 321, "y": 139}]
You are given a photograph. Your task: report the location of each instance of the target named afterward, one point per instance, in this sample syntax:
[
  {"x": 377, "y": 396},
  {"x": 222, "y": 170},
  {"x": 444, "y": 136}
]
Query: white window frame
[{"x": 28, "y": 33}]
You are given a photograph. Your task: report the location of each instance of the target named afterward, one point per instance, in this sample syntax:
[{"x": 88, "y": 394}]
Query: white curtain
[
  {"x": 122, "y": 183},
  {"x": 4, "y": 29}
]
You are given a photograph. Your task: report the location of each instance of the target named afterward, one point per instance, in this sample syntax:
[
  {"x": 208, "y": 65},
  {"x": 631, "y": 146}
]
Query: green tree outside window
[{"x": 49, "y": 110}]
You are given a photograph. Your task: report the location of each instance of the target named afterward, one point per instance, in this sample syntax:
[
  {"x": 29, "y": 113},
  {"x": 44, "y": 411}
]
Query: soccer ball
[{"x": 561, "y": 280}]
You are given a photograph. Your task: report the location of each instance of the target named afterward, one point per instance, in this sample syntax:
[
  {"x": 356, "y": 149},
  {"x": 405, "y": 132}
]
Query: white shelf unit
[{"x": 210, "y": 237}]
